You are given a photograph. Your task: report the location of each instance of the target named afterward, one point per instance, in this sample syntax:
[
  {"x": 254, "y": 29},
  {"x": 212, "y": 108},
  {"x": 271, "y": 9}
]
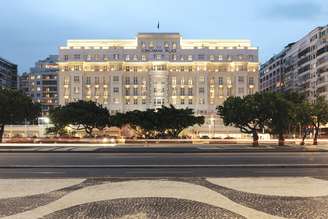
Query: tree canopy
[
  {"x": 80, "y": 115},
  {"x": 164, "y": 122},
  {"x": 247, "y": 113},
  {"x": 16, "y": 108}
]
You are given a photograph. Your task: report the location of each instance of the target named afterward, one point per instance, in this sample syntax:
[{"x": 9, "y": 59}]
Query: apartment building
[
  {"x": 8, "y": 74},
  {"x": 303, "y": 66},
  {"x": 41, "y": 83}
]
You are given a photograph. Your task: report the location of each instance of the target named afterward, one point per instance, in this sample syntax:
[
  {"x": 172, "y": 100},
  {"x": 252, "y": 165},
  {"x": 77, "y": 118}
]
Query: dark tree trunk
[
  {"x": 2, "y": 130},
  {"x": 304, "y": 136},
  {"x": 255, "y": 139},
  {"x": 281, "y": 139},
  {"x": 316, "y": 133}
]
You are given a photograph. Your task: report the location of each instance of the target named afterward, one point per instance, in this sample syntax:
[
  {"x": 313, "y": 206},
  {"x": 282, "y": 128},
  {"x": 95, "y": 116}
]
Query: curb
[
  {"x": 168, "y": 166},
  {"x": 166, "y": 150}
]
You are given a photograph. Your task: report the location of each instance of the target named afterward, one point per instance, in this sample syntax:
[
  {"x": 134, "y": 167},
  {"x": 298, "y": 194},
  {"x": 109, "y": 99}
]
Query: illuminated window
[
  {"x": 174, "y": 45},
  {"x": 174, "y": 80}
]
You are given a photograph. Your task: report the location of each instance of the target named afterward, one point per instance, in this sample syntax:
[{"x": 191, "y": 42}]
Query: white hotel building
[{"x": 159, "y": 69}]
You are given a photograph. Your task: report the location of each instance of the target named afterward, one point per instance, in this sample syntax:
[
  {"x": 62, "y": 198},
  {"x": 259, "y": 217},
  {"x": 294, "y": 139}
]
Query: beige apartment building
[
  {"x": 158, "y": 69},
  {"x": 302, "y": 66}
]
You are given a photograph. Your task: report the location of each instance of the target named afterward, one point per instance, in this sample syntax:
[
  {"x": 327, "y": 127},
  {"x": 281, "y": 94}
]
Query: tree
[
  {"x": 16, "y": 108},
  {"x": 248, "y": 113},
  {"x": 319, "y": 116},
  {"x": 280, "y": 113},
  {"x": 172, "y": 121},
  {"x": 164, "y": 122},
  {"x": 80, "y": 115},
  {"x": 303, "y": 116}
]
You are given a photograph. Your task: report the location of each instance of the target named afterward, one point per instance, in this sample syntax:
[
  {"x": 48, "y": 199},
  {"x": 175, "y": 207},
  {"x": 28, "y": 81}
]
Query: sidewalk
[{"x": 158, "y": 148}]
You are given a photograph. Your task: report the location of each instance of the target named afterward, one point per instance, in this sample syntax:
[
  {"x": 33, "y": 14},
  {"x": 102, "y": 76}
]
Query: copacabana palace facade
[{"x": 158, "y": 69}]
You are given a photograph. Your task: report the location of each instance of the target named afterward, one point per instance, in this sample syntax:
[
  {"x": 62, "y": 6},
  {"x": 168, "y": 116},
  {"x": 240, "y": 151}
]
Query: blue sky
[{"x": 32, "y": 29}]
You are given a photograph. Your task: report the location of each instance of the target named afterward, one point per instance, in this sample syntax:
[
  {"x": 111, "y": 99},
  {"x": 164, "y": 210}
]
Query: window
[
  {"x": 251, "y": 80},
  {"x": 211, "y": 57},
  {"x": 115, "y": 90},
  {"x": 189, "y": 91},
  {"x": 135, "y": 58},
  {"x": 143, "y": 58},
  {"x": 201, "y": 57},
  {"x": 174, "y": 45},
  {"x": 241, "y": 79},
  {"x": 135, "y": 80},
  {"x": 182, "y": 91},
  {"x": 202, "y": 78},
  {"x": 135, "y": 91},
  {"x": 241, "y": 90},
  {"x": 189, "y": 57},
  {"x": 190, "y": 82},
  {"x": 88, "y": 80},
  {"x": 201, "y": 90},
  {"x": 220, "y": 80},
  {"x": 96, "y": 80},
  {"x": 127, "y": 80},
  {"x": 201, "y": 101},
  {"x": 174, "y": 80},
  {"x": 127, "y": 91},
  {"x": 220, "y": 58},
  {"x": 143, "y": 101},
  {"x": 65, "y": 57},
  {"x": 182, "y": 101},
  {"x": 116, "y": 56},
  {"x": 77, "y": 56},
  {"x": 127, "y": 57},
  {"x": 116, "y": 78},
  {"x": 76, "y": 78},
  {"x": 189, "y": 101}
]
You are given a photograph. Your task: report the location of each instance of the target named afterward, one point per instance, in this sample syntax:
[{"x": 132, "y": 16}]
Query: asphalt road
[{"x": 25, "y": 165}]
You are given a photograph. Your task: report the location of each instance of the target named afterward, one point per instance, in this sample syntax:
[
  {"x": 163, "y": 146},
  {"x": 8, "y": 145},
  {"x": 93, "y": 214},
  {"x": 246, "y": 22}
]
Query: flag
[{"x": 158, "y": 25}]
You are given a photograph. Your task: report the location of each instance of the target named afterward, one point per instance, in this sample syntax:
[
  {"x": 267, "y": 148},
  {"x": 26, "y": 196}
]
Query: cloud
[{"x": 295, "y": 10}]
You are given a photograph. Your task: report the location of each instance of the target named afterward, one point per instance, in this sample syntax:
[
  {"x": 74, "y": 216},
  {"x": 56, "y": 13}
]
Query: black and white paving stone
[{"x": 124, "y": 198}]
